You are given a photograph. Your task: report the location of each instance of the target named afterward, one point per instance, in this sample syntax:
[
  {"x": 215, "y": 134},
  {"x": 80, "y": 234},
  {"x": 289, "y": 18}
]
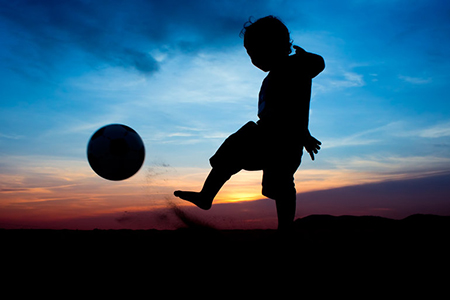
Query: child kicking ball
[{"x": 274, "y": 144}]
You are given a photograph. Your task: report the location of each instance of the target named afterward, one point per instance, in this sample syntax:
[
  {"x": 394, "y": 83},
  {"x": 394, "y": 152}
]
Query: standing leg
[
  {"x": 278, "y": 184},
  {"x": 286, "y": 208},
  {"x": 213, "y": 183}
]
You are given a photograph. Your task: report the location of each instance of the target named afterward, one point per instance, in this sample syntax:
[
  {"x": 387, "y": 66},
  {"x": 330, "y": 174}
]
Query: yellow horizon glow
[{"x": 54, "y": 193}]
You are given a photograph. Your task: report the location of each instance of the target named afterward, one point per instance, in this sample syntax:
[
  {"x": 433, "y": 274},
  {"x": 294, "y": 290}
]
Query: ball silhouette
[{"x": 115, "y": 152}]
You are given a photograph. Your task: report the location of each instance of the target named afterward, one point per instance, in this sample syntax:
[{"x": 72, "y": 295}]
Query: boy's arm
[
  {"x": 294, "y": 89},
  {"x": 313, "y": 63},
  {"x": 303, "y": 93}
]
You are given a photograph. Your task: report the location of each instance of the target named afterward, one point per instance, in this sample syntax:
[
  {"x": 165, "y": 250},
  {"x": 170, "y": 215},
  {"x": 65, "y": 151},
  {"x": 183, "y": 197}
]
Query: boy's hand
[
  {"x": 298, "y": 50},
  {"x": 312, "y": 146}
]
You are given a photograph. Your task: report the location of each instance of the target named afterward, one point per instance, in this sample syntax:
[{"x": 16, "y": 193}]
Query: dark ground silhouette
[
  {"x": 314, "y": 234},
  {"x": 322, "y": 253}
]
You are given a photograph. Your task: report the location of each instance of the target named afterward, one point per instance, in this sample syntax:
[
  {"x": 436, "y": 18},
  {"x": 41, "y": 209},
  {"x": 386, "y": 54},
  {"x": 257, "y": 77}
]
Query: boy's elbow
[{"x": 319, "y": 65}]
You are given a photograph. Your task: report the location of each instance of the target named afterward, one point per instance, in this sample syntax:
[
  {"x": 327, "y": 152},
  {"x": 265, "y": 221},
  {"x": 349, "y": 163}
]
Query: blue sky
[{"x": 176, "y": 72}]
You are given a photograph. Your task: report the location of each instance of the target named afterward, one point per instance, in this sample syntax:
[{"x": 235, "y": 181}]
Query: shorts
[{"x": 250, "y": 149}]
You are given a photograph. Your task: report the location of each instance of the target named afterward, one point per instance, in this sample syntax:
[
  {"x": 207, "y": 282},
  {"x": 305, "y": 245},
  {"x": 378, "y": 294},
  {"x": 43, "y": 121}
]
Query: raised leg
[{"x": 213, "y": 183}]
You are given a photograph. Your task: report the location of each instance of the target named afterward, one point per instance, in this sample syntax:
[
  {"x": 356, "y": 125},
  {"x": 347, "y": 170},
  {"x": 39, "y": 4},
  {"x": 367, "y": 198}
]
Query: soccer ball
[{"x": 115, "y": 152}]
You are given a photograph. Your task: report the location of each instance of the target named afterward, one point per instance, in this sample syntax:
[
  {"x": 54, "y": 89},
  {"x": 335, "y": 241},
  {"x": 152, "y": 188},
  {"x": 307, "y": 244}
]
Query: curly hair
[{"x": 269, "y": 28}]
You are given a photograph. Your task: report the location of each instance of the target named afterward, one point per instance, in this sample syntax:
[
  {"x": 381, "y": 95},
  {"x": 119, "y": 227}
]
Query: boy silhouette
[{"x": 274, "y": 144}]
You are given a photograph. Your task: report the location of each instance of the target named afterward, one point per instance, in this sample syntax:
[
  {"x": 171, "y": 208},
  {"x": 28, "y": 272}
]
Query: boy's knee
[
  {"x": 224, "y": 166},
  {"x": 279, "y": 191}
]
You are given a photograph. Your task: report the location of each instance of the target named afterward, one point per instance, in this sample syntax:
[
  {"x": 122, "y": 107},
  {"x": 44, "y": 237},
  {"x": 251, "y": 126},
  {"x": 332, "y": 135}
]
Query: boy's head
[{"x": 267, "y": 40}]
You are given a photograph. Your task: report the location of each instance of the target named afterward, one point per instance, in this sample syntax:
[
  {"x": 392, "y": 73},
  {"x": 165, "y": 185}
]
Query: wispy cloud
[
  {"x": 437, "y": 131},
  {"x": 10, "y": 136},
  {"x": 394, "y": 165},
  {"x": 353, "y": 79},
  {"x": 366, "y": 137},
  {"x": 331, "y": 81},
  {"x": 415, "y": 80},
  {"x": 386, "y": 133},
  {"x": 429, "y": 131}
]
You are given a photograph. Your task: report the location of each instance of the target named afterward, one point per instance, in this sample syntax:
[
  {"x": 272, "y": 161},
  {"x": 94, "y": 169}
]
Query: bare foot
[{"x": 196, "y": 198}]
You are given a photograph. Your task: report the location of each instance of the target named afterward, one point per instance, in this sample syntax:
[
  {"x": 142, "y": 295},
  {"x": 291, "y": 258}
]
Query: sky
[{"x": 177, "y": 72}]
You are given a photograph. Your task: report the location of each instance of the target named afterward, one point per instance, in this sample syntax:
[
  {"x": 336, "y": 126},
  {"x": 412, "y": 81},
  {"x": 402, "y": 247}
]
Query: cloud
[
  {"x": 415, "y": 80},
  {"x": 13, "y": 190},
  {"x": 46, "y": 32},
  {"x": 437, "y": 131},
  {"x": 403, "y": 129},
  {"x": 126, "y": 34},
  {"x": 10, "y": 136},
  {"x": 344, "y": 79},
  {"x": 383, "y": 167},
  {"x": 338, "y": 76},
  {"x": 385, "y": 133},
  {"x": 353, "y": 79},
  {"x": 366, "y": 137}
]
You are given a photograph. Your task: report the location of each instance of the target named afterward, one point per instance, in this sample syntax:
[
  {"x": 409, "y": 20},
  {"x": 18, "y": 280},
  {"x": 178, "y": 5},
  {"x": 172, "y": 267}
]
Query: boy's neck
[{"x": 278, "y": 62}]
